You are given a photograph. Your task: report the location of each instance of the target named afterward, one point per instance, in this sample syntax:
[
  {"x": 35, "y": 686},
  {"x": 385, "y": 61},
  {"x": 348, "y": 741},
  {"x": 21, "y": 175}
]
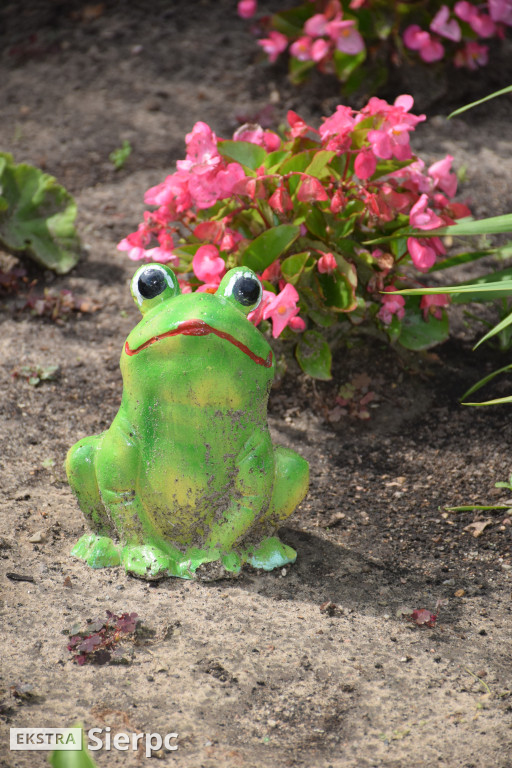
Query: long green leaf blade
[
  {"x": 485, "y": 380},
  {"x": 494, "y": 95},
  {"x": 497, "y": 329}
]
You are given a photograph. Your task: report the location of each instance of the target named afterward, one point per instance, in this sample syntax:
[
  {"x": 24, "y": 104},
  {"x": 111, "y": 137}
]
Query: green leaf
[
  {"x": 346, "y": 63},
  {"x": 461, "y": 258},
  {"x": 494, "y": 225},
  {"x": 485, "y": 380},
  {"x": 299, "y": 69},
  {"x": 320, "y": 160},
  {"x": 338, "y": 292},
  {"x": 243, "y": 152},
  {"x": 479, "y": 290},
  {"x": 460, "y": 110},
  {"x": 120, "y": 155},
  {"x": 315, "y": 222},
  {"x": 388, "y": 166},
  {"x": 269, "y": 246},
  {"x": 294, "y": 267},
  {"x": 298, "y": 162},
  {"x": 292, "y": 21},
  {"x": 417, "y": 334},
  {"x": 497, "y": 329},
  {"x": 274, "y": 159},
  {"x": 39, "y": 219},
  {"x": 314, "y": 355},
  {"x": 499, "y": 401}
]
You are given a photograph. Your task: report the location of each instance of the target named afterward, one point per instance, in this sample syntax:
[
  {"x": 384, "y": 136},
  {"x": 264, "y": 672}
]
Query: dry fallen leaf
[{"x": 478, "y": 526}]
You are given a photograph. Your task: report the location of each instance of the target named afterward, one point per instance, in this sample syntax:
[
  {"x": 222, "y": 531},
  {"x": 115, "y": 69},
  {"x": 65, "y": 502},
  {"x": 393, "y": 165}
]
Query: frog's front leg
[
  {"x": 143, "y": 551},
  {"x": 291, "y": 479},
  {"x": 96, "y": 548},
  {"x": 250, "y": 496}
]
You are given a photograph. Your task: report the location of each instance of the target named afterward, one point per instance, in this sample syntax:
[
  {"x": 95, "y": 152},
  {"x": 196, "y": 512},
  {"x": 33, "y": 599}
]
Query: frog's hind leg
[
  {"x": 96, "y": 548},
  {"x": 291, "y": 479}
]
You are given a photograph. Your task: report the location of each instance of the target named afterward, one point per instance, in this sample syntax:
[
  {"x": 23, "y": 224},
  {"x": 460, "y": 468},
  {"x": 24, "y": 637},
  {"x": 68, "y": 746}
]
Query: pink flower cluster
[
  {"x": 458, "y": 26},
  {"x": 324, "y": 33},
  {"x": 455, "y": 32},
  {"x": 360, "y": 187}
]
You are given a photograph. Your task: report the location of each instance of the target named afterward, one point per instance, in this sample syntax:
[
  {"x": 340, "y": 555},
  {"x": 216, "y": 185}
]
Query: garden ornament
[{"x": 186, "y": 481}]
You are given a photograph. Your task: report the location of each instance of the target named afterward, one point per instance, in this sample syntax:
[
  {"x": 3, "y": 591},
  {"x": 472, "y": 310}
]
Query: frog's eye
[
  {"x": 152, "y": 284},
  {"x": 243, "y": 287}
]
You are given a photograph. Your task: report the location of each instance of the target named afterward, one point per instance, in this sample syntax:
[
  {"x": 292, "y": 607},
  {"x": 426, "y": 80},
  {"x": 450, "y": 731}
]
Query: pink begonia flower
[
  {"x": 319, "y": 50},
  {"x": 230, "y": 240},
  {"x": 391, "y": 305},
  {"x": 227, "y": 178},
  {"x": 338, "y": 201},
  {"x": 211, "y": 231},
  {"x": 301, "y": 48},
  {"x": 208, "y": 266},
  {"x": 501, "y": 10},
  {"x": 162, "y": 255},
  {"x": 202, "y": 153},
  {"x": 432, "y": 304},
  {"x": 365, "y": 164},
  {"x": 202, "y": 190},
  {"x": 255, "y": 134},
  {"x": 345, "y": 35},
  {"x": 281, "y": 308},
  {"x": 341, "y": 122},
  {"x": 472, "y": 56},
  {"x": 415, "y": 37},
  {"x": 296, "y": 324},
  {"x": 274, "y": 44},
  {"x": 163, "y": 252},
  {"x": 256, "y": 316},
  {"x": 185, "y": 286},
  {"x": 298, "y": 126},
  {"x": 247, "y": 8},
  {"x": 422, "y": 253},
  {"x": 311, "y": 190},
  {"x": 273, "y": 272},
  {"x": 391, "y": 141},
  {"x": 171, "y": 192},
  {"x": 445, "y": 27},
  {"x": 316, "y": 26},
  {"x": 428, "y": 47},
  {"x": 136, "y": 242},
  {"x": 482, "y": 24},
  {"x": 281, "y": 201},
  {"x": 135, "y": 252},
  {"x": 208, "y": 287},
  {"x": 422, "y": 217},
  {"x": 444, "y": 178},
  {"x": 326, "y": 264}
]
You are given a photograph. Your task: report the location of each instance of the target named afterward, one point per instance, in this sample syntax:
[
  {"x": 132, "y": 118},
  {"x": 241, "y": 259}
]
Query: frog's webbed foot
[
  {"x": 270, "y": 554},
  {"x": 97, "y": 551},
  {"x": 226, "y": 567},
  {"x": 146, "y": 561}
]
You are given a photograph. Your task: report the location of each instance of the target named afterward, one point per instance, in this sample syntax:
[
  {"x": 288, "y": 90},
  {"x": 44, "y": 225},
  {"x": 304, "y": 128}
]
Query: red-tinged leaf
[
  {"x": 89, "y": 644},
  {"x": 127, "y": 623},
  {"x": 422, "y": 617}
]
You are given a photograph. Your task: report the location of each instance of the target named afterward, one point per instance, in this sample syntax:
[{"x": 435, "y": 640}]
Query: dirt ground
[{"x": 258, "y": 671}]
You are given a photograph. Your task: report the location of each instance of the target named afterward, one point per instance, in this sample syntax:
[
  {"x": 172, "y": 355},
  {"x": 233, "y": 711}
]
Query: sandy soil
[{"x": 258, "y": 671}]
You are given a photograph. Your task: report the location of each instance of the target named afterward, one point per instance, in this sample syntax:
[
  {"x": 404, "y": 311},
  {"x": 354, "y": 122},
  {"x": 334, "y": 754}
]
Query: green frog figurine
[{"x": 186, "y": 481}]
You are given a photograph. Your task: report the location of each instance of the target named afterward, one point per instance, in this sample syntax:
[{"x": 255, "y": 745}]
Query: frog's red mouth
[{"x": 200, "y": 328}]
